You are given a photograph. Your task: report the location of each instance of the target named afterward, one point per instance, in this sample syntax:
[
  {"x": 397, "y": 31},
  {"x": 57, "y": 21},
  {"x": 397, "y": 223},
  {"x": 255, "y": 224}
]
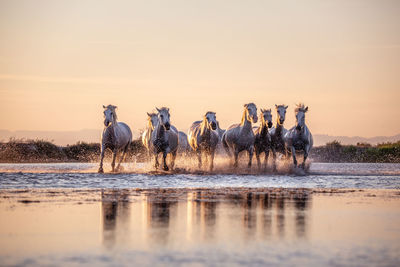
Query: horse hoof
[
  {"x": 100, "y": 170},
  {"x": 165, "y": 168}
]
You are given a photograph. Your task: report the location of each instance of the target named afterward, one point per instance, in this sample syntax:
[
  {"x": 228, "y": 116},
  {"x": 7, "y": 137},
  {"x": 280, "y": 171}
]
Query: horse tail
[{"x": 225, "y": 144}]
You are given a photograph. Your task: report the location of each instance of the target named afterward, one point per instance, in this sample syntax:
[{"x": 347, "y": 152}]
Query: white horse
[
  {"x": 203, "y": 138},
  {"x": 152, "y": 120},
  {"x": 240, "y": 137},
  {"x": 116, "y": 136},
  {"x": 299, "y": 138},
  {"x": 164, "y": 138},
  {"x": 262, "y": 141},
  {"x": 278, "y": 132}
]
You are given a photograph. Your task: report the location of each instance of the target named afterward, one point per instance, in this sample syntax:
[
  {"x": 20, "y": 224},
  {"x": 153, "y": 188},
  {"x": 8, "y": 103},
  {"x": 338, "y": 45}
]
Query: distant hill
[{"x": 93, "y": 135}]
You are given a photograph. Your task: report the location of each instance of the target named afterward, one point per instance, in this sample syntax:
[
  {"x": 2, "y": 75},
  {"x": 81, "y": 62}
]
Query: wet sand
[{"x": 201, "y": 226}]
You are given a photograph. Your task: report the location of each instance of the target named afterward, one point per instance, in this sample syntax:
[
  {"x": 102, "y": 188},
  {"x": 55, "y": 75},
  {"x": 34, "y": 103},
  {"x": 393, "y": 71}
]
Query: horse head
[
  {"x": 251, "y": 112},
  {"x": 109, "y": 114},
  {"x": 152, "y": 119},
  {"x": 164, "y": 117},
  {"x": 281, "y": 111},
  {"x": 266, "y": 117},
  {"x": 211, "y": 120},
  {"x": 300, "y": 112}
]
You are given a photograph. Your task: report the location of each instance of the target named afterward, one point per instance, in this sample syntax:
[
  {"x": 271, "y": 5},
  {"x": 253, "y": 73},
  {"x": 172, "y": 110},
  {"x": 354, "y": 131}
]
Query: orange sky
[{"x": 60, "y": 61}]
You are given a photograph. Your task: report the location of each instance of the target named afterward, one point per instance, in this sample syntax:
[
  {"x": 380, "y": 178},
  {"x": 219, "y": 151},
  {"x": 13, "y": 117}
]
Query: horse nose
[
  {"x": 167, "y": 126},
  {"x": 255, "y": 119},
  {"x": 213, "y": 125},
  {"x": 298, "y": 127},
  {"x": 269, "y": 124},
  {"x": 281, "y": 121}
]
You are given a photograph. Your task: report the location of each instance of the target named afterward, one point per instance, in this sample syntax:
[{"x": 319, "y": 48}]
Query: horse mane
[
  {"x": 204, "y": 124},
  {"x": 280, "y": 106},
  {"x": 150, "y": 115},
  {"x": 244, "y": 113},
  {"x": 164, "y": 108},
  {"x": 301, "y": 107}
]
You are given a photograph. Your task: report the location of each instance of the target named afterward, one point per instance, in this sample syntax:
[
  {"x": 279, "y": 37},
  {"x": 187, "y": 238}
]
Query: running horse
[
  {"x": 116, "y": 136},
  {"x": 164, "y": 139},
  {"x": 203, "y": 138},
  {"x": 240, "y": 137},
  {"x": 299, "y": 138}
]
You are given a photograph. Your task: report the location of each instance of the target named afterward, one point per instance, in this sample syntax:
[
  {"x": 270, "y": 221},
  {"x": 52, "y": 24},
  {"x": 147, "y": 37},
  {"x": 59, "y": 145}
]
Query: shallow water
[
  {"x": 84, "y": 175},
  {"x": 66, "y": 214},
  {"x": 199, "y": 227}
]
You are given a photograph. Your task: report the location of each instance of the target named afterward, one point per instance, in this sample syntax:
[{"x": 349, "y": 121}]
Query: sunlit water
[
  {"x": 84, "y": 175},
  {"x": 199, "y": 227},
  {"x": 66, "y": 214}
]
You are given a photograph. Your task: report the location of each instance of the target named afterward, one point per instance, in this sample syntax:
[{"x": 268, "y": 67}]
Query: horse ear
[
  {"x": 158, "y": 109},
  {"x": 286, "y": 107},
  {"x": 262, "y": 110},
  {"x": 148, "y": 114},
  {"x": 104, "y": 107},
  {"x": 245, "y": 105},
  {"x": 306, "y": 109},
  {"x": 276, "y": 106}
]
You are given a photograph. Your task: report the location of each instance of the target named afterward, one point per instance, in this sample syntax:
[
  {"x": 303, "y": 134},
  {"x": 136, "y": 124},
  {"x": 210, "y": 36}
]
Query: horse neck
[
  {"x": 279, "y": 127},
  {"x": 160, "y": 130},
  {"x": 150, "y": 126},
  {"x": 204, "y": 127},
  {"x": 245, "y": 123},
  {"x": 263, "y": 126}
]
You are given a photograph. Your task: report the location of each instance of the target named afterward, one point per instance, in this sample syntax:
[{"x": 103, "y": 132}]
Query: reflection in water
[
  {"x": 158, "y": 215},
  {"x": 115, "y": 209},
  {"x": 203, "y": 216}
]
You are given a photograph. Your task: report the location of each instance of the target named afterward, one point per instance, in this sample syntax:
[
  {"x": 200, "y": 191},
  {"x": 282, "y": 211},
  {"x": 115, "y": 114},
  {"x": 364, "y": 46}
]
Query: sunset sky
[{"x": 60, "y": 61}]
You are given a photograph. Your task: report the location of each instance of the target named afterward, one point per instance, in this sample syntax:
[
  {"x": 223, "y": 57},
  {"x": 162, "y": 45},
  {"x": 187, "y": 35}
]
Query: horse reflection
[
  {"x": 158, "y": 212},
  {"x": 202, "y": 214},
  {"x": 261, "y": 212},
  {"x": 115, "y": 208}
]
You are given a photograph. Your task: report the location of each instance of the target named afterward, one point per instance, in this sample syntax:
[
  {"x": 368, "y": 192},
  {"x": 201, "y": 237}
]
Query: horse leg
[
  {"x": 212, "y": 154},
  {"x": 101, "y": 159},
  {"x": 173, "y": 159},
  {"x": 274, "y": 159},
  {"x": 199, "y": 157},
  {"x": 258, "y": 152},
  {"x": 306, "y": 150},
  {"x": 113, "y": 160},
  {"x": 165, "y": 167},
  {"x": 123, "y": 156},
  {"x": 236, "y": 155},
  {"x": 266, "y": 158},
  {"x": 251, "y": 151},
  {"x": 156, "y": 164},
  {"x": 225, "y": 145},
  {"x": 294, "y": 156}
]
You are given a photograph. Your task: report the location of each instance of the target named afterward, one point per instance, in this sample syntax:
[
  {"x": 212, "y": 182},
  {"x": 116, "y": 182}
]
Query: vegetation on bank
[
  {"x": 362, "y": 152},
  {"x": 26, "y": 151}
]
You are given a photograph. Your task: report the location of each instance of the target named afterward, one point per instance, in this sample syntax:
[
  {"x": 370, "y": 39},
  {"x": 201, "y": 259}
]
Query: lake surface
[
  {"x": 84, "y": 175},
  {"x": 199, "y": 227},
  {"x": 66, "y": 214}
]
